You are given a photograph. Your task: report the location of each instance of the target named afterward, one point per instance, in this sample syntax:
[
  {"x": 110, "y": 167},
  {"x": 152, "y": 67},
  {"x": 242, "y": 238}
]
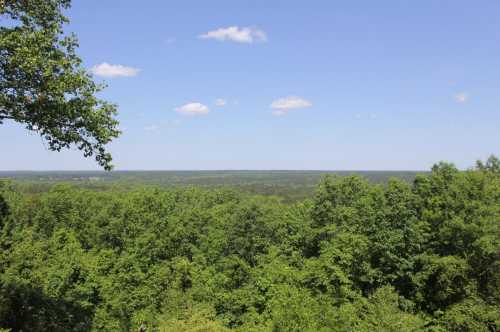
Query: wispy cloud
[
  {"x": 170, "y": 40},
  {"x": 151, "y": 128},
  {"x": 371, "y": 116},
  {"x": 220, "y": 102},
  {"x": 108, "y": 70},
  {"x": 280, "y": 113},
  {"x": 283, "y": 105},
  {"x": 236, "y": 34},
  {"x": 461, "y": 97},
  {"x": 193, "y": 109}
]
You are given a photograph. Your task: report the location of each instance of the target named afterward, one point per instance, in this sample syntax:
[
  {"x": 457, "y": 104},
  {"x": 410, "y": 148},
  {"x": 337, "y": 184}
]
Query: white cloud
[
  {"x": 193, "y": 109},
  {"x": 240, "y": 35},
  {"x": 220, "y": 102},
  {"x": 283, "y": 105},
  {"x": 107, "y": 70},
  {"x": 461, "y": 97},
  {"x": 170, "y": 40}
]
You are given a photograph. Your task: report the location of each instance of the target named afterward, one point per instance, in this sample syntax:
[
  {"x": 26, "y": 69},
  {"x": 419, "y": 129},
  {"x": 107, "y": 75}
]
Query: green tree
[
  {"x": 43, "y": 84},
  {"x": 491, "y": 165}
]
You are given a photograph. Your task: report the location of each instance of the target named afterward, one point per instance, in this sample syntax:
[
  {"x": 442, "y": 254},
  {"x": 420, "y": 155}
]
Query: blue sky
[{"x": 305, "y": 84}]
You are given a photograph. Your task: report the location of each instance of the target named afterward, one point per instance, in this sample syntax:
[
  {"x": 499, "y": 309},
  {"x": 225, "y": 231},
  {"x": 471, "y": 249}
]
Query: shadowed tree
[
  {"x": 4, "y": 210},
  {"x": 43, "y": 84}
]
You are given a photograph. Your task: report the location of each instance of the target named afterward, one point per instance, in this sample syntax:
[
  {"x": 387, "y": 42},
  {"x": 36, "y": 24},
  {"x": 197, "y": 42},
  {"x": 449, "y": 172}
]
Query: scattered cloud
[
  {"x": 283, "y": 105},
  {"x": 461, "y": 97},
  {"x": 291, "y": 102},
  {"x": 108, "y": 70},
  {"x": 236, "y": 34},
  {"x": 193, "y": 109},
  {"x": 151, "y": 128},
  {"x": 220, "y": 102}
]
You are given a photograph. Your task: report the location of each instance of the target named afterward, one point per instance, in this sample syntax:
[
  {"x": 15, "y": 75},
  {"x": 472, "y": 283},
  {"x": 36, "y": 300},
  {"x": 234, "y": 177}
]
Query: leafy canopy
[{"x": 357, "y": 256}]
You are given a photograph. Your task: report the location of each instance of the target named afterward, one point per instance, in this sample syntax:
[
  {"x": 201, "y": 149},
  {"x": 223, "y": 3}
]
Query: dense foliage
[
  {"x": 43, "y": 84},
  {"x": 420, "y": 256}
]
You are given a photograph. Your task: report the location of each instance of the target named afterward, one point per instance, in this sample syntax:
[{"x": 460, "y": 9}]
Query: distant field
[{"x": 290, "y": 185}]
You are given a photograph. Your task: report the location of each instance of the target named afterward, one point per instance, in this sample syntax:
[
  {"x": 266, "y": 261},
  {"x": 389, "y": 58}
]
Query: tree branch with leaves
[{"x": 43, "y": 84}]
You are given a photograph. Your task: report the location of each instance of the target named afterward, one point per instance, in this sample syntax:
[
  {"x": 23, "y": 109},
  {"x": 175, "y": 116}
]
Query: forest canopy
[{"x": 357, "y": 256}]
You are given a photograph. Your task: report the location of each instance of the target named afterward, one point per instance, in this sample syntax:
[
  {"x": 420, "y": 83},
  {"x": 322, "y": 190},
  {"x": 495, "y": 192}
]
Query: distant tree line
[{"x": 289, "y": 186}]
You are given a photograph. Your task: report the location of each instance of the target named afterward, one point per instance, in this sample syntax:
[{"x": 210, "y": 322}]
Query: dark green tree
[
  {"x": 4, "y": 210},
  {"x": 43, "y": 84}
]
